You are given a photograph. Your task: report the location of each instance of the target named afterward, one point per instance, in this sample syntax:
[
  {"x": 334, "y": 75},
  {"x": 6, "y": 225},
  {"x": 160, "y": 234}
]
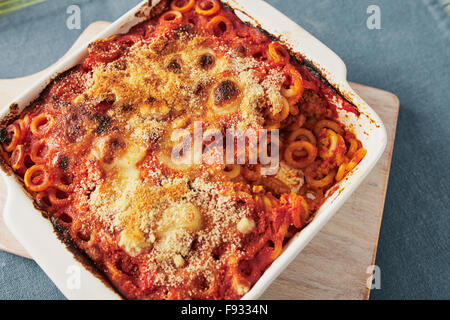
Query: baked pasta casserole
[{"x": 94, "y": 152}]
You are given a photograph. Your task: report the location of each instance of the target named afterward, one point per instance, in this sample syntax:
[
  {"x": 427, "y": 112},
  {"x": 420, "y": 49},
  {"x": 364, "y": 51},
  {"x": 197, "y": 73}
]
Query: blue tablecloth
[{"x": 409, "y": 55}]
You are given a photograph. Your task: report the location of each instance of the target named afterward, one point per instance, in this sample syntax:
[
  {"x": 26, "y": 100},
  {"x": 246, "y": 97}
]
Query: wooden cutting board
[{"x": 334, "y": 264}]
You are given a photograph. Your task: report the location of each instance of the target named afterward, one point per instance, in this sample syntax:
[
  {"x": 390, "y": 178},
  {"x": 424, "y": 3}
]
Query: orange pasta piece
[
  {"x": 302, "y": 134},
  {"x": 58, "y": 197},
  {"x": 331, "y": 146},
  {"x": 328, "y": 124},
  {"x": 37, "y": 178},
  {"x": 207, "y": 7},
  {"x": 171, "y": 17},
  {"x": 42, "y": 200},
  {"x": 14, "y": 133},
  {"x": 302, "y": 162},
  {"x": 17, "y": 158},
  {"x": 294, "y": 90},
  {"x": 63, "y": 182},
  {"x": 352, "y": 148},
  {"x": 232, "y": 171},
  {"x": 278, "y": 53},
  {"x": 283, "y": 114},
  {"x": 219, "y": 25},
  {"x": 359, "y": 155},
  {"x": 312, "y": 181},
  {"x": 24, "y": 125},
  {"x": 298, "y": 208},
  {"x": 341, "y": 172},
  {"x": 41, "y": 124},
  {"x": 182, "y": 5},
  {"x": 38, "y": 151},
  {"x": 297, "y": 122}
]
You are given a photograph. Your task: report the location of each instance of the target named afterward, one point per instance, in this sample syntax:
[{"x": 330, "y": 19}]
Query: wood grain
[{"x": 334, "y": 264}]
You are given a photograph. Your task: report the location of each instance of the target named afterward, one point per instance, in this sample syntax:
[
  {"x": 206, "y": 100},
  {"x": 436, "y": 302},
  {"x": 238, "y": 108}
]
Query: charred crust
[
  {"x": 4, "y": 136},
  {"x": 206, "y": 61},
  {"x": 63, "y": 162},
  {"x": 63, "y": 234},
  {"x": 74, "y": 129},
  {"x": 225, "y": 92},
  {"x": 175, "y": 65},
  {"x": 187, "y": 29},
  {"x": 104, "y": 123}
]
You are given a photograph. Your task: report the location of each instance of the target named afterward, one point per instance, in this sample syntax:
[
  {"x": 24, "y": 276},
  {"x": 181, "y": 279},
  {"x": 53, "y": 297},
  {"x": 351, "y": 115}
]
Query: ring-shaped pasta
[
  {"x": 42, "y": 200},
  {"x": 37, "y": 151},
  {"x": 58, "y": 198},
  {"x": 289, "y": 154},
  {"x": 298, "y": 208},
  {"x": 14, "y": 132},
  {"x": 17, "y": 157},
  {"x": 302, "y": 134},
  {"x": 278, "y": 53},
  {"x": 185, "y": 6},
  {"x": 234, "y": 172},
  {"x": 328, "y": 124},
  {"x": 352, "y": 148},
  {"x": 319, "y": 183},
  {"x": 265, "y": 203},
  {"x": 270, "y": 125},
  {"x": 24, "y": 124},
  {"x": 359, "y": 155},
  {"x": 41, "y": 123},
  {"x": 171, "y": 17},
  {"x": 297, "y": 123},
  {"x": 37, "y": 178},
  {"x": 207, "y": 7},
  {"x": 283, "y": 114},
  {"x": 295, "y": 90},
  {"x": 217, "y": 23},
  {"x": 252, "y": 172},
  {"x": 328, "y": 150},
  {"x": 341, "y": 172},
  {"x": 63, "y": 182}
]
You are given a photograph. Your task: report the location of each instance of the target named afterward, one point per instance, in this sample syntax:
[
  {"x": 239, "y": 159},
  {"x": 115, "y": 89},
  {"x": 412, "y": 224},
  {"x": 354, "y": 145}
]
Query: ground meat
[{"x": 313, "y": 105}]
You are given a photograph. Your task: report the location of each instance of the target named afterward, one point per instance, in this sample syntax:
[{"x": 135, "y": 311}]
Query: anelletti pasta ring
[
  {"x": 14, "y": 133},
  {"x": 41, "y": 123},
  {"x": 278, "y": 53},
  {"x": 172, "y": 16},
  {"x": 328, "y": 124},
  {"x": 303, "y": 162},
  {"x": 218, "y": 23},
  {"x": 319, "y": 183},
  {"x": 37, "y": 152},
  {"x": 359, "y": 155},
  {"x": 37, "y": 178},
  {"x": 295, "y": 90},
  {"x": 58, "y": 197},
  {"x": 234, "y": 172},
  {"x": 207, "y": 7},
  {"x": 182, "y": 5},
  {"x": 333, "y": 141},
  {"x": 17, "y": 157}
]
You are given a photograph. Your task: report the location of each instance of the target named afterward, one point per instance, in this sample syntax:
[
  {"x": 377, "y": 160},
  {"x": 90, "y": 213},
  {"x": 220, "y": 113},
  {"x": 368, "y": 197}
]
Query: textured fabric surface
[{"x": 409, "y": 55}]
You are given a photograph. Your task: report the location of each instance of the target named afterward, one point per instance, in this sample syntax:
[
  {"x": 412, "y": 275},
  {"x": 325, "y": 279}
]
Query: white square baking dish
[{"x": 36, "y": 233}]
